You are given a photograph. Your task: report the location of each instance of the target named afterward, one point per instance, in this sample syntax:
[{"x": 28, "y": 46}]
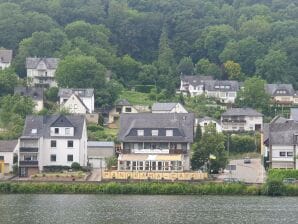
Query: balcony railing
[
  {"x": 233, "y": 121},
  {"x": 154, "y": 151},
  {"x": 28, "y": 149},
  {"x": 29, "y": 163}
]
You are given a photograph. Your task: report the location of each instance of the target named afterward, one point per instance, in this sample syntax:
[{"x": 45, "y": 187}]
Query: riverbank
[{"x": 150, "y": 188}]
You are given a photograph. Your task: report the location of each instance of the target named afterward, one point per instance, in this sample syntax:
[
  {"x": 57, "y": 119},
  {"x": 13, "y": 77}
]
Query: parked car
[
  {"x": 289, "y": 181},
  {"x": 247, "y": 160}
]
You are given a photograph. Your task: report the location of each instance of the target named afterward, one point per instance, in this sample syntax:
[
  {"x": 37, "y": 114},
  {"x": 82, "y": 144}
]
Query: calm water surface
[{"x": 81, "y": 209}]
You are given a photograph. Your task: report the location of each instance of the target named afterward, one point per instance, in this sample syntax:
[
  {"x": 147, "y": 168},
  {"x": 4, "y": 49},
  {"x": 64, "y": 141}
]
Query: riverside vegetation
[{"x": 271, "y": 188}]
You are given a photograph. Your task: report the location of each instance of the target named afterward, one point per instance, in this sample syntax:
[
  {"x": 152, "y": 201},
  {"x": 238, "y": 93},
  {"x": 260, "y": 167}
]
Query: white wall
[
  {"x": 4, "y": 65},
  {"x": 207, "y": 122},
  {"x": 74, "y": 106},
  {"x": 8, "y": 158}
]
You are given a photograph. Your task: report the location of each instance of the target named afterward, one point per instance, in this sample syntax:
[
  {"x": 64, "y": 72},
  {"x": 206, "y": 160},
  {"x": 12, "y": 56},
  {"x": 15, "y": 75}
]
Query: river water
[{"x": 81, "y": 209}]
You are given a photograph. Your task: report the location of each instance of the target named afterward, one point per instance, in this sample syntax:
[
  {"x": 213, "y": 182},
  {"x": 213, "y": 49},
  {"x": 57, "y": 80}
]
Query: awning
[{"x": 133, "y": 157}]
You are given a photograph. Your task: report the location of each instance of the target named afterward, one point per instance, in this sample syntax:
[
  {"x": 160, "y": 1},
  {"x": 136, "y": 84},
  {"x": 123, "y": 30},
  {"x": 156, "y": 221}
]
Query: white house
[
  {"x": 193, "y": 85},
  {"x": 41, "y": 71},
  {"x": 241, "y": 119},
  {"x": 281, "y": 93},
  {"x": 204, "y": 121},
  {"x": 78, "y": 101},
  {"x": 52, "y": 140},
  {"x": 282, "y": 141},
  {"x": 7, "y": 149},
  {"x": 35, "y": 93},
  {"x": 155, "y": 141},
  {"x": 5, "y": 58},
  {"x": 168, "y": 108}
]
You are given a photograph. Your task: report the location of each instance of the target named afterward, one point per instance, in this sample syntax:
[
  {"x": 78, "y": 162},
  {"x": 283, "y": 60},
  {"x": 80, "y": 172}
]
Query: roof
[
  {"x": 42, "y": 124},
  {"x": 143, "y": 157},
  {"x": 66, "y": 93},
  {"x": 294, "y": 114},
  {"x": 200, "y": 119},
  {"x": 50, "y": 63},
  {"x": 100, "y": 144},
  {"x": 196, "y": 80},
  {"x": 34, "y": 92},
  {"x": 5, "y": 56},
  {"x": 283, "y": 133},
  {"x": 222, "y": 85},
  {"x": 163, "y": 106},
  {"x": 273, "y": 89},
  {"x": 8, "y": 145},
  {"x": 122, "y": 102},
  {"x": 182, "y": 125},
  {"x": 79, "y": 100},
  {"x": 265, "y": 131},
  {"x": 242, "y": 112}
]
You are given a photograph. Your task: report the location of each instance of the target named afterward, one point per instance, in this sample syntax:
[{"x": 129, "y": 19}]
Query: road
[
  {"x": 253, "y": 172},
  {"x": 95, "y": 175}
]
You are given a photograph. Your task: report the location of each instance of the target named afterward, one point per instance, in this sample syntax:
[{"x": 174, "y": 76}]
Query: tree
[
  {"x": 212, "y": 143},
  {"x": 198, "y": 136},
  {"x": 79, "y": 71},
  {"x": 233, "y": 70},
  {"x": 205, "y": 67},
  {"x": 185, "y": 66},
  {"x": 253, "y": 94},
  {"x": 8, "y": 80}
]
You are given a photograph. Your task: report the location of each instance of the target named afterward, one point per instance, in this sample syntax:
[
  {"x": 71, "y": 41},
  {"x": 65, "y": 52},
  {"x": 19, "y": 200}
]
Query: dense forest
[{"x": 153, "y": 42}]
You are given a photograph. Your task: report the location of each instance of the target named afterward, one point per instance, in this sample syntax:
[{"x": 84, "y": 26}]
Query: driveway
[
  {"x": 95, "y": 175},
  {"x": 253, "y": 172}
]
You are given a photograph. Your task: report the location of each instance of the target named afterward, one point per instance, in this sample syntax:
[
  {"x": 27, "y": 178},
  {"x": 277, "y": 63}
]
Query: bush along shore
[{"x": 271, "y": 188}]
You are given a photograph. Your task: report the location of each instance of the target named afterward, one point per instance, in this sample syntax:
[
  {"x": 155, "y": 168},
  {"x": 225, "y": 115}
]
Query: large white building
[
  {"x": 41, "y": 71},
  {"x": 77, "y": 101},
  {"x": 53, "y": 140},
  {"x": 241, "y": 119},
  {"x": 5, "y": 58}
]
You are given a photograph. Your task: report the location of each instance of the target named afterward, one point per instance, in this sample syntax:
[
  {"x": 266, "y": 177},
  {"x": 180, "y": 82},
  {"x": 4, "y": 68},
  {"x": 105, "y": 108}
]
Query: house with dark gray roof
[
  {"x": 41, "y": 71},
  {"x": 7, "y": 151},
  {"x": 122, "y": 106},
  {"x": 168, "y": 108},
  {"x": 281, "y": 93},
  {"x": 155, "y": 141},
  {"x": 52, "y": 140},
  {"x": 241, "y": 119},
  {"x": 282, "y": 141},
  {"x": 75, "y": 100},
  {"x": 193, "y": 84},
  {"x": 5, "y": 58},
  {"x": 35, "y": 93}
]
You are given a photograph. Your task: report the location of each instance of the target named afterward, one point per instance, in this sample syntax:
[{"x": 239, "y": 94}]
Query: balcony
[
  {"x": 31, "y": 163},
  {"x": 151, "y": 151},
  {"x": 234, "y": 121},
  {"x": 28, "y": 149}
]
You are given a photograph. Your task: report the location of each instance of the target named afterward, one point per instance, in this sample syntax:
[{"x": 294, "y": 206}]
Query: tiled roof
[
  {"x": 273, "y": 89},
  {"x": 66, "y": 93},
  {"x": 100, "y": 144},
  {"x": 8, "y": 145},
  {"x": 196, "y": 80},
  {"x": 241, "y": 112},
  {"x": 222, "y": 85},
  {"x": 51, "y": 63},
  {"x": 5, "y": 56},
  {"x": 182, "y": 125},
  {"x": 34, "y": 92},
  {"x": 163, "y": 106},
  {"x": 283, "y": 133}
]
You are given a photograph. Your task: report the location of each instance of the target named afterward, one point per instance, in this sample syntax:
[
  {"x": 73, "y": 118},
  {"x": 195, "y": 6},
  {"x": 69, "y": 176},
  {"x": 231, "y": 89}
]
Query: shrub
[
  {"x": 111, "y": 161},
  {"x": 75, "y": 166},
  {"x": 274, "y": 188},
  {"x": 55, "y": 169},
  {"x": 282, "y": 174}
]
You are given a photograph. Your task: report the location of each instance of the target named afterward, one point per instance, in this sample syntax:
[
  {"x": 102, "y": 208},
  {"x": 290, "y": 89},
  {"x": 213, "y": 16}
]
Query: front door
[{"x": 23, "y": 172}]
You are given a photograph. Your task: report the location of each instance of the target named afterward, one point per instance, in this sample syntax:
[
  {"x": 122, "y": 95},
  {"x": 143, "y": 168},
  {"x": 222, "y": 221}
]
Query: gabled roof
[
  {"x": 222, "y": 85},
  {"x": 163, "y": 106},
  {"x": 5, "y": 56},
  {"x": 242, "y": 112},
  {"x": 294, "y": 114},
  {"x": 182, "y": 125},
  {"x": 79, "y": 100},
  {"x": 283, "y": 133},
  {"x": 100, "y": 144},
  {"x": 66, "y": 93},
  {"x": 50, "y": 63},
  {"x": 196, "y": 80},
  {"x": 273, "y": 89},
  {"x": 34, "y": 92},
  {"x": 42, "y": 124},
  {"x": 8, "y": 145}
]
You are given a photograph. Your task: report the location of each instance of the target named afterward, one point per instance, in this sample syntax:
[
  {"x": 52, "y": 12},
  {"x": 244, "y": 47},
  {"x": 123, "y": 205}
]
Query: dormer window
[
  {"x": 169, "y": 132},
  {"x": 34, "y": 131},
  {"x": 67, "y": 131},
  {"x": 154, "y": 132},
  {"x": 140, "y": 132}
]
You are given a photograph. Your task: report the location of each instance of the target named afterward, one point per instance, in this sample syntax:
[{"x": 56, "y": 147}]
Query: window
[
  {"x": 34, "y": 131},
  {"x": 69, "y": 158},
  {"x": 56, "y": 130},
  {"x": 128, "y": 109},
  {"x": 75, "y": 106},
  {"x": 140, "y": 132},
  {"x": 169, "y": 132},
  {"x": 53, "y": 144},
  {"x": 1, "y": 157},
  {"x": 67, "y": 131},
  {"x": 53, "y": 158},
  {"x": 289, "y": 154},
  {"x": 154, "y": 132},
  {"x": 282, "y": 154},
  {"x": 70, "y": 144}
]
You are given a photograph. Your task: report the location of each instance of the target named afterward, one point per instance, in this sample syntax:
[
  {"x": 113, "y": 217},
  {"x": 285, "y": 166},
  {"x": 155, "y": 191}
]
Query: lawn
[{"x": 136, "y": 98}]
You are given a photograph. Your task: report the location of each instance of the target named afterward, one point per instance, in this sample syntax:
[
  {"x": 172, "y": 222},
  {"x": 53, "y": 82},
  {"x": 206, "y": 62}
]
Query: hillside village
[{"x": 161, "y": 137}]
